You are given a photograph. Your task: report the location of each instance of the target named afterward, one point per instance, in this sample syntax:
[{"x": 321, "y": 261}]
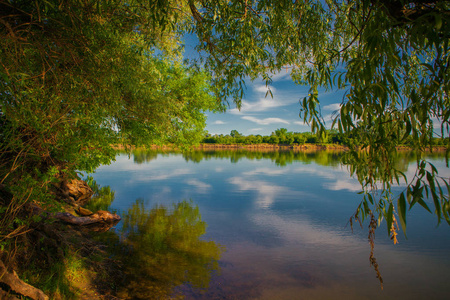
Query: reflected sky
[{"x": 285, "y": 228}]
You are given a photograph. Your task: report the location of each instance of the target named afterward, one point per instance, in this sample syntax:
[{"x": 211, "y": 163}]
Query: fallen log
[
  {"x": 99, "y": 217},
  {"x": 18, "y": 286},
  {"x": 100, "y": 221}
]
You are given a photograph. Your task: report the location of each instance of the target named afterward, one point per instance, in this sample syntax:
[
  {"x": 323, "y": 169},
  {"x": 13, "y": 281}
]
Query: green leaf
[
  {"x": 424, "y": 205},
  {"x": 389, "y": 217},
  {"x": 437, "y": 205},
  {"x": 370, "y": 198},
  {"x": 401, "y": 204}
]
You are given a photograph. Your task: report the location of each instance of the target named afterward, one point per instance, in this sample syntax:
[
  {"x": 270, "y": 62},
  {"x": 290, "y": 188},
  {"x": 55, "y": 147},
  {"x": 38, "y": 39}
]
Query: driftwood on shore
[
  {"x": 102, "y": 219},
  {"x": 99, "y": 217},
  {"x": 77, "y": 192}
]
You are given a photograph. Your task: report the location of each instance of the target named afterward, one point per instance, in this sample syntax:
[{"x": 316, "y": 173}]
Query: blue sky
[{"x": 263, "y": 115}]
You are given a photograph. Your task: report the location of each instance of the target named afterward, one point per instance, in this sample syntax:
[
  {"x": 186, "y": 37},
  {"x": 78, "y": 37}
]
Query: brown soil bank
[{"x": 270, "y": 147}]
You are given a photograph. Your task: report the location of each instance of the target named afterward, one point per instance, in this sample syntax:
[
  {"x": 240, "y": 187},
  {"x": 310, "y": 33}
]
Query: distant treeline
[
  {"x": 328, "y": 157},
  {"x": 283, "y": 137}
]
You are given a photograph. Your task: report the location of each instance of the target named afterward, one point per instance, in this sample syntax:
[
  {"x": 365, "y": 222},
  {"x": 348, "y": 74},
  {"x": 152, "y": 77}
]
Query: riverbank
[
  {"x": 57, "y": 252},
  {"x": 263, "y": 147},
  {"x": 250, "y": 147},
  {"x": 271, "y": 147}
]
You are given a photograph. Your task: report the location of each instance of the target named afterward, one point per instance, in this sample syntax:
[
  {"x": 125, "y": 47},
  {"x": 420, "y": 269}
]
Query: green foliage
[
  {"x": 279, "y": 137},
  {"x": 162, "y": 249},
  {"x": 102, "y": 197},
  {"x": 391, "y": 57},
  {"x": 56, "y": 280},
  {"x": 77, "y": 78}
]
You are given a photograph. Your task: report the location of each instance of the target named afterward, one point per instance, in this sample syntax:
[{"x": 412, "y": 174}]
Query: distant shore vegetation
[{"x": 282, "y": 136}]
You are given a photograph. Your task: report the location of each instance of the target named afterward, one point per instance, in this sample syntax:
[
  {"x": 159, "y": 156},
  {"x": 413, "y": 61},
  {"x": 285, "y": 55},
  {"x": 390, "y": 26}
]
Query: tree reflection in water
[{"x": 162, "y": 249}]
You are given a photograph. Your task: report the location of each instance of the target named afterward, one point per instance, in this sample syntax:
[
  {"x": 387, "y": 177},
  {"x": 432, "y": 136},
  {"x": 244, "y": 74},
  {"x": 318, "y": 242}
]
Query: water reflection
[
  {"x": 331, "y": 157},
  {"x": 282, "y": 217},
  {"x": 102, "y": 198},
  {"x": 266, "y": 192},
  {"x": 161, "y": 249}
]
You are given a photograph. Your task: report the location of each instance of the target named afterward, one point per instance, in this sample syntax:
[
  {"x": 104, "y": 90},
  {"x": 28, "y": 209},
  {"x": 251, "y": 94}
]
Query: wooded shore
[{"x": 264, "y": 147}]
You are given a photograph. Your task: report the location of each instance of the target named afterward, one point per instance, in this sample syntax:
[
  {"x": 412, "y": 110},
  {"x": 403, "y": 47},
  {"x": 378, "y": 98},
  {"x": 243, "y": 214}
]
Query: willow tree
[
  {"x": 390, "y": 57},
  {"x": 76, "y": 78}
]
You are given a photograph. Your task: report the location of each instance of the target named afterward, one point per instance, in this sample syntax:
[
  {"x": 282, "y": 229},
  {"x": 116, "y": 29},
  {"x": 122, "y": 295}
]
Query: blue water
[{"x": 285, "y": 227}]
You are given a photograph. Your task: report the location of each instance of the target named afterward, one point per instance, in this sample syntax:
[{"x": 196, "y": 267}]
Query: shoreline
[
  {"x": 264, "y": 147},
  {"x": 254, "y": 147},
  {"x": 270, "y": 147}
]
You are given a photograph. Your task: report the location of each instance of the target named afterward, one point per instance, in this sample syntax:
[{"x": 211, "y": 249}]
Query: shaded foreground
[
  {"x": 154, "y": 251},
  {"x": 54, "y": 250}
]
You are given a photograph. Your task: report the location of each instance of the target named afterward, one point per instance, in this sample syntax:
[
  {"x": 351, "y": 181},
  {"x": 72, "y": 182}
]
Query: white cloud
[
  {"x": 302, "y": 126},
  {"x": 262, "y": 104},
  {"x": 301, "y": 123},
  {"x": 202, "y": 187},
  {"x": 282, "y": 75},
  {"x": 350, "y": 185},
  {"x": 329, "y": 120},
  {"x": 315, "y": 171},
  {"x": 161, "y": 175},
  {"x": 332, "y": 107},
  {"x": 267, "y": 171},
  {"x": 234, "y": 111},
  {"x": 255, "y": 129},
  {"x": 266, "y": 191},
  {"x": 262, "y": 88},
  {"x": 265, "y": 121},
  {"x": 339, "y": 178},
  {"x": 219, "y": 122}
]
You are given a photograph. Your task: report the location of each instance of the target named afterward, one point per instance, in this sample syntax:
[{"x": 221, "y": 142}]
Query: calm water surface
[{"x": 281, "y": 222}]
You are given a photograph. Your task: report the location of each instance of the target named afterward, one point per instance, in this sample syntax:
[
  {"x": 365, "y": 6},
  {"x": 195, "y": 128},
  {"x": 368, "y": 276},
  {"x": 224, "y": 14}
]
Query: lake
[{"x": 274, "y": 225}]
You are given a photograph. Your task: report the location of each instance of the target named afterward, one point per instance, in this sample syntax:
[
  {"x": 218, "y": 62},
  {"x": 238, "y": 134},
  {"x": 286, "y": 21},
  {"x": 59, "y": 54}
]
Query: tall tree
[{"x": 76, "y": 78}]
